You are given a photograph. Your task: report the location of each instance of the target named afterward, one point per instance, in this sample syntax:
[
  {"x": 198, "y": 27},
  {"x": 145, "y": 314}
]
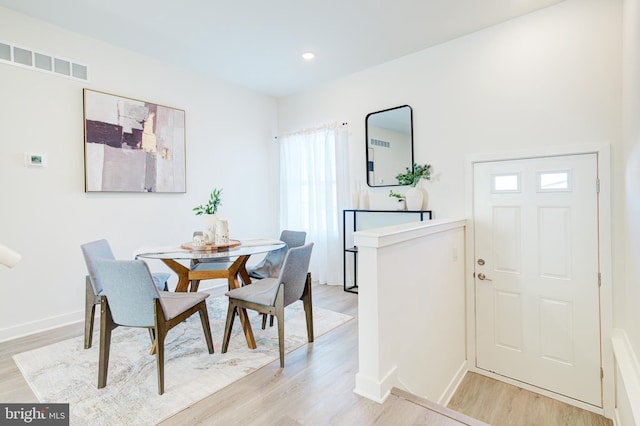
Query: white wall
[
  {"x": 411, "y": 309},
  {"x": 631, "y": 322},
  {"x": 627, "y": 340},
  {"x": 550, "y": 77},
  {"x": 45, "y": 214}
]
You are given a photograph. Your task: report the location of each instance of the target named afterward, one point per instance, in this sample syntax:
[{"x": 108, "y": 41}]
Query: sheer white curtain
[{"x": 314, "y": 188}]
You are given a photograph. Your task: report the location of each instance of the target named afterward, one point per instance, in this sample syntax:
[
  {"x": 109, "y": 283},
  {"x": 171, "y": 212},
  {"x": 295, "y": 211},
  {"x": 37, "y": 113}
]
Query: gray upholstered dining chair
[
  {"x": 130, "y": 298},
  {"x": 92, "y": 251},
  {"x": 271, "y": 264},
  {"x": 271, "y": 295}
]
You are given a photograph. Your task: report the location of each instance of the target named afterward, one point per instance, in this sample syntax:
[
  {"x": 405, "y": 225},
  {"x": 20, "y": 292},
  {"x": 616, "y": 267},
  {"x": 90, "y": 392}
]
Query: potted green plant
[
  {"x": 414, "y": 196},
  {"x": 209, "y": 210},
  {"x": 400, "y": 199},
  {"x": 211, "y": 207},
  {"x": 412, "y": 176}
]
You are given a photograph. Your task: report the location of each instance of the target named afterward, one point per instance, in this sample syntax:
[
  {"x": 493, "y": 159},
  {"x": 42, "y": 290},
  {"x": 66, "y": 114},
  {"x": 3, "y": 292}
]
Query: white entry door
[{"x": 537, "y": 269}]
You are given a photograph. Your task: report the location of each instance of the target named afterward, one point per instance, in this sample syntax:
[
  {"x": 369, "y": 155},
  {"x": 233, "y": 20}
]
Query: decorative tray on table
[{"x": 210, "y": 247}]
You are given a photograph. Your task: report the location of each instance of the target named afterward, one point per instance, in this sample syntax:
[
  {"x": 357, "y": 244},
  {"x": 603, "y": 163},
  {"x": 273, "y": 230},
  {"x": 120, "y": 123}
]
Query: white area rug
[{"x": 65, "y": 372}]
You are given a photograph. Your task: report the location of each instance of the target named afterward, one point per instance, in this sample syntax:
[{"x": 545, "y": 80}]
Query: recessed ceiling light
[{"x": 307, "y": 56}]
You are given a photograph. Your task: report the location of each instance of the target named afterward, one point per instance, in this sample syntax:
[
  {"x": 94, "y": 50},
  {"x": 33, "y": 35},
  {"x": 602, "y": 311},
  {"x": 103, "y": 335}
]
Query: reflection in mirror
[{"x": 389, "y": 136}]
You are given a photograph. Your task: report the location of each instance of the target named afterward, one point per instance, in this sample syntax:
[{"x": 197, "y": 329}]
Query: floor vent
[{"x": 28, "y": 58}]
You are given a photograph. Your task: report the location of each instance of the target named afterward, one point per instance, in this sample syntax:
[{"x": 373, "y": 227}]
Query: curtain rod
[{"x": 313, "y": 128}]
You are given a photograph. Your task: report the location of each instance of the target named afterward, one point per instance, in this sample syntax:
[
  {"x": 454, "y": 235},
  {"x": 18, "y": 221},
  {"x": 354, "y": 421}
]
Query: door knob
[
  {"x": 482, "y": 277},
  {"x": 480, "y": 262}
]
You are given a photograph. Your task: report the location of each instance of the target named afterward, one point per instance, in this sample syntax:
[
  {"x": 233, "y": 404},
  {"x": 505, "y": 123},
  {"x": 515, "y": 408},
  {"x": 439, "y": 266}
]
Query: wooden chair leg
[
  {"x": 204, "y": 319},
  {"x": 279, "y": 308},
  {"x": 264, "y": 320},
  {"x": 160, "y": 330},
  {"x": 231, "y": 314},
  {"x": 160, "y": 359},
  {"x": 307, "y": 301},
  {"x": 152, "y": 336},
  {"x": 89, "y": 313},
  {"x": 106, "y": 325}
]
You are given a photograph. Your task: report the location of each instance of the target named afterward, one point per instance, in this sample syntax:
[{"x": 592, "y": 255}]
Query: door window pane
[
  {"x": 506, "y": 183},
  {"x": 559, "y": 180}
]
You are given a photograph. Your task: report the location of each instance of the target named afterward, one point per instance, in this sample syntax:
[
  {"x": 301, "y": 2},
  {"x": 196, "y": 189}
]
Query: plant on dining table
[{"x": 211, "y": 207}]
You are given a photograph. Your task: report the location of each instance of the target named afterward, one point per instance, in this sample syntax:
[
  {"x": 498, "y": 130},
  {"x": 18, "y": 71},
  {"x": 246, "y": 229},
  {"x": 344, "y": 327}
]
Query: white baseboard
[
  {"x": 29, "y": 328},
  {"x": 627, "y": 411},
  {"x": 377, "y": 391},
  {"x": 453, "y": 385},
  {"x": 57, "y": 321}
]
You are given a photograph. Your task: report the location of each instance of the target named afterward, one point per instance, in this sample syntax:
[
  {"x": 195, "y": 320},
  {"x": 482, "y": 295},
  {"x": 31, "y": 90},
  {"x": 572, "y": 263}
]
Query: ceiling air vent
[{"x": 28, "y": 58}]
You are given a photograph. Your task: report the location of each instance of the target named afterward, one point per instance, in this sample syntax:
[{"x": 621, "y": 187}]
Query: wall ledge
[
  {"x": 390, "y": 235},
  {"x": 423, "y": 349}
]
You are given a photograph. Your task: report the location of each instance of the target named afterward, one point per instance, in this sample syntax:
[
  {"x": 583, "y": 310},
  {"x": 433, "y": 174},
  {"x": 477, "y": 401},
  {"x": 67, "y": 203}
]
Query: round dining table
[{"x": 205, "y": 264}]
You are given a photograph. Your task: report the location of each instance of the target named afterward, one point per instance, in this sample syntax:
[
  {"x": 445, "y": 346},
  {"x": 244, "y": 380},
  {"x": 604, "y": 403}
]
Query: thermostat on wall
[{"x": 34, "y": 159}]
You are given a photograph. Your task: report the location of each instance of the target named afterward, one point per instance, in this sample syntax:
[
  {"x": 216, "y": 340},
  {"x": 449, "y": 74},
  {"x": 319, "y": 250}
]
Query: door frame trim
[{"x": 603, "y": 152}]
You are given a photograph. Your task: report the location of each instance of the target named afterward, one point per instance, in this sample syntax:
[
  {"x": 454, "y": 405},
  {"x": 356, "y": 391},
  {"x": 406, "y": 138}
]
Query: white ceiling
[{"x": 258, "y": 43}]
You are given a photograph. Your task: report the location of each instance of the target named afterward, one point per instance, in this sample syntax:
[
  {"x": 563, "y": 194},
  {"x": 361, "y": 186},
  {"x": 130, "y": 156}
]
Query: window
[
  {"x": 506, "y": 183},
  {"x": 314, "y": 188},
  {"x": 554, "y": 181}
]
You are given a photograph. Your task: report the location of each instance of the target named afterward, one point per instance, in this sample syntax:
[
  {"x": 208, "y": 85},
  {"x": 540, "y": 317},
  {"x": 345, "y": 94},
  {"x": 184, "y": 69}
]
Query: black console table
[{"x": 371, "y": 219}]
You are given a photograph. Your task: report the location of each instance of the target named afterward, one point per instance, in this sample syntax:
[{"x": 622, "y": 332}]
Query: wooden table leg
[
  {"x": 246, "y": 279},
  {"x": 235, "y": 270},
  {"x": 181, "y": 271},
  {"x": 246, "y": 327}
]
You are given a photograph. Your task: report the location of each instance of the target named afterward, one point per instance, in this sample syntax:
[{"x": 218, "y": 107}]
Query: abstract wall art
[{"x": 132, "y": 145}]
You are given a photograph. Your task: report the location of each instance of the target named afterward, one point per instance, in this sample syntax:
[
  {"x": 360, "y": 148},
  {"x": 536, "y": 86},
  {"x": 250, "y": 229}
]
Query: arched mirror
[{"x": 389, "y": 136}]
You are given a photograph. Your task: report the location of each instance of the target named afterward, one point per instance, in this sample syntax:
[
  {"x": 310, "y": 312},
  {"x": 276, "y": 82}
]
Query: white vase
[
  {"x": 363, "y": 201},
  {"x": 209, "y": 227},
  {"x": 356, "y": 196},
  {"x": 414, "y": 198},
  {"x": 222, "y": 231}
]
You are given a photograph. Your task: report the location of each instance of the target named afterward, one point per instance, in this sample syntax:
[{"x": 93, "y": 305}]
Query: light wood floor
[
  {"x": 316, "y": 387},
  {"x": 499, "y": 403}
]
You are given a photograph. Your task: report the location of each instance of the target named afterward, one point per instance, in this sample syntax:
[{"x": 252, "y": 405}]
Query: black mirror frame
[{"x": 366, "y": 143}]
